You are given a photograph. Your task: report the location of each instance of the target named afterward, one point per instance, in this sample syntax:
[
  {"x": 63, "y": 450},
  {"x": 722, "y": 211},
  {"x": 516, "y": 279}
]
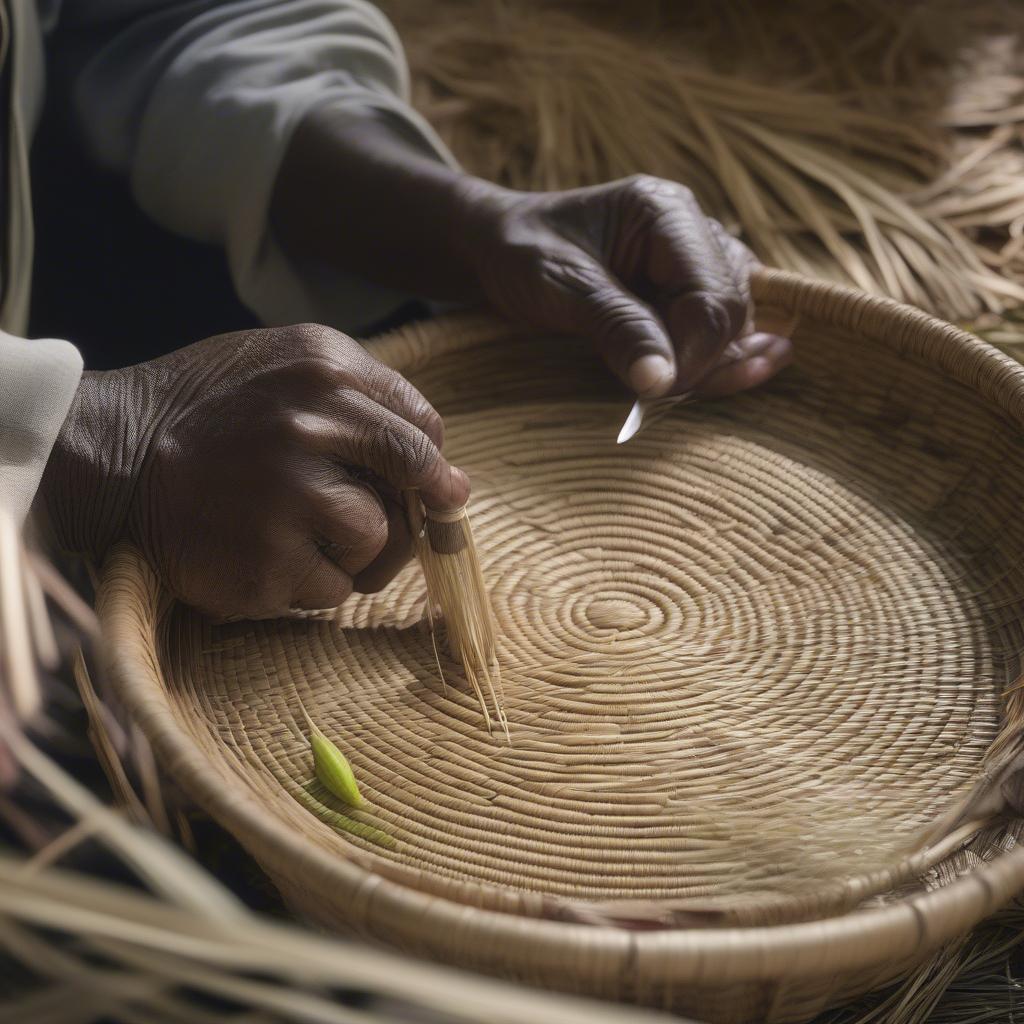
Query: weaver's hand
[
  {"x": 635, "y": 265},
  {"x": 260, "y": 472}
]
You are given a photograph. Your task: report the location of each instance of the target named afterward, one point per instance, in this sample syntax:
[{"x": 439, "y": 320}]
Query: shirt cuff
[
  {"x": 282, "y": 290},
  {"x": 38, "y": 381}
]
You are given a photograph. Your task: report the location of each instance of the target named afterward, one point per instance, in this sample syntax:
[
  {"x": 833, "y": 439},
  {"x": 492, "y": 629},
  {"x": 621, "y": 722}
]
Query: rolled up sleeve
[{"x": 196, "y": 104}]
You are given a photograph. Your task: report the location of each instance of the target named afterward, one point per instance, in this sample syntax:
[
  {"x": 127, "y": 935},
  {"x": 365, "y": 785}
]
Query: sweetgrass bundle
[{"x": 456, "y": 590}]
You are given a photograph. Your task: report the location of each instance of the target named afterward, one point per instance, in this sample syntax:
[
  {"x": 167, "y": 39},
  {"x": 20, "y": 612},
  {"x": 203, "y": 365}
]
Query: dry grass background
[
  {"x": 877, "y": 143},
  {"x": 856, "y": 140}
]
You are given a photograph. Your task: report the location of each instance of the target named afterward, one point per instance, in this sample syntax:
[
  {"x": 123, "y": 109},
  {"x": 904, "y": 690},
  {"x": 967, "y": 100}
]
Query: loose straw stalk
[{"x": 455, "y": 585}]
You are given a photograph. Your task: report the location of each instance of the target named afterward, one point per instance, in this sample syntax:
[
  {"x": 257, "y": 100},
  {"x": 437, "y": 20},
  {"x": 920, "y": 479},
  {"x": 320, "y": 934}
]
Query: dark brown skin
[
  {"x": 260, "y": 472},
  {"x": 635, "y": 266},
  {"x": 240, "y": 465}
]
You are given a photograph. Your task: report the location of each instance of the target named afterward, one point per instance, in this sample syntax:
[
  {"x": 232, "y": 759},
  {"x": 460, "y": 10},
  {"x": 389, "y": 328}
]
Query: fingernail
[{"x": 650, "y": 374}]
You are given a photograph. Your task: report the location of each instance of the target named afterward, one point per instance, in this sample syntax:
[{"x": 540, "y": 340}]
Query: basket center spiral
[{"x": 614, "y": 615}]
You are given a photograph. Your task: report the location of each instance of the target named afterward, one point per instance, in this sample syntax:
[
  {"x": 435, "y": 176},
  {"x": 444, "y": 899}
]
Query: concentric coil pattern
[{"x": 751, "y": 652}]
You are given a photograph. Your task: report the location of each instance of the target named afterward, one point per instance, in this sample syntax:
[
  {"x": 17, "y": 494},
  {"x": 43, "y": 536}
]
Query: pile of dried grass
[
  {"x": 978, "y": 981},
  {"x": 855, "y": 140}
]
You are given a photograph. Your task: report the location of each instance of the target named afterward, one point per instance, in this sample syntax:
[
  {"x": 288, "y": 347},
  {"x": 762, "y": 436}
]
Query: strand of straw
[{"x": 455, "y": 585}]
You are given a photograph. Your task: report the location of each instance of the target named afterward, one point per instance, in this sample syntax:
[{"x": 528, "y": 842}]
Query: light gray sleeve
[
  {"x": 38, "y": 380},
  {"x": 196, "y": 103}
]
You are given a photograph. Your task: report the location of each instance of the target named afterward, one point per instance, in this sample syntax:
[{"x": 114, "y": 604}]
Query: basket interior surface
[{"x": 750, "y": 653}]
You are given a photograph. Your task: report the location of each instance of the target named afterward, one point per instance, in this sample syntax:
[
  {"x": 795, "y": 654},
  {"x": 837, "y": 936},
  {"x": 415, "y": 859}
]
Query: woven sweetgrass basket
[{"x": 750, "y": 659}]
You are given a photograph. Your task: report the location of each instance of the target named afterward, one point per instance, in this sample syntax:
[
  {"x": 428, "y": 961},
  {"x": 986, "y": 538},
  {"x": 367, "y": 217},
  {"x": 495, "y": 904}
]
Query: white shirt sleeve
[
  {"x": 38, "y": 380},
  {"x": 196, "y": 103}
]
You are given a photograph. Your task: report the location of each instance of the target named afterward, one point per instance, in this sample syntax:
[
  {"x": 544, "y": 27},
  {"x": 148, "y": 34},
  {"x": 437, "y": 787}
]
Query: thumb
[{"x": 628, "y": 334}]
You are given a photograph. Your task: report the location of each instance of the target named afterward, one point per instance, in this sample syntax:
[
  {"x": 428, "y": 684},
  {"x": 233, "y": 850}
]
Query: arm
[
  {"x": 195, "y": 102},
  {"x": 661, "y": 289},
  {"x": 239, "y": 466},
  {"x": 282, "y": 130}
]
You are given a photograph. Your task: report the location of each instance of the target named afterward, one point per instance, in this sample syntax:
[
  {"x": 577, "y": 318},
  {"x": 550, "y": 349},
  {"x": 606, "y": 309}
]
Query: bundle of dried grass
[
  {"x": 872, "y": 143},
  {"x": 455, "y": 586}
]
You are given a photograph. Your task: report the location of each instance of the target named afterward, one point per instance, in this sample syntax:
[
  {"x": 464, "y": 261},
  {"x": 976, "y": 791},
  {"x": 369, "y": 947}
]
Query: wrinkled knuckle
[
  {"x": 655, "y": 195},
  {"x": 622, "y": 326},
  {"x": 406, "y": 454},
  {"x": 570, "y": 274},
  {"x": 724, "y": 312},
  {"x": 431, "y": 423},
  {"x": 618, "y": 316},
  {"x": 641, "y": 184},
  {"x": 368, "y": 439},
  {"x": 297, "y": 427},
  {"x": 421, "y": 455},
  {"x": 310, "y": 336},
  {"x": 741, "y": 255},
  {"x": 326, "y": 349},
  {"x": 395, "y": 390},
  {"x": 684, "y": 194},
  {"x": 402, "y": 395}
]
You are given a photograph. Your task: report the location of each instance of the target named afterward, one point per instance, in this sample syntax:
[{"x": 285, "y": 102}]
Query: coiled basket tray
[{"x": 759, "y": 668}]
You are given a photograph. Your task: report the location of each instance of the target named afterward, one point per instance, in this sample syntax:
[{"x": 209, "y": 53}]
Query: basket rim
[
  {"x": 504, "y": 942},
  {"x": 912, "y": 333}
]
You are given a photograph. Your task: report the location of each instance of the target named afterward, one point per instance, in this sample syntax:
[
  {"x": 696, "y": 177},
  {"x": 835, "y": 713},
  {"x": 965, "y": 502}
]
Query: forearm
[{"x": 353, "y": 193}]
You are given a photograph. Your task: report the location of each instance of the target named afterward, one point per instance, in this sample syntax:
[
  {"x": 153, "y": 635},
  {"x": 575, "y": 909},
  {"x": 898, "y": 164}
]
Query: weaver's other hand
[
  {"x": 260, "y": 472},
  {"x": 634, "y": 265},
  {"x": 662, "y": 289}
]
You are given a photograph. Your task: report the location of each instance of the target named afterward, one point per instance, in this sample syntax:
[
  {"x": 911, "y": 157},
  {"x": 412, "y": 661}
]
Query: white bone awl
[{"x": 647, "y": 412}]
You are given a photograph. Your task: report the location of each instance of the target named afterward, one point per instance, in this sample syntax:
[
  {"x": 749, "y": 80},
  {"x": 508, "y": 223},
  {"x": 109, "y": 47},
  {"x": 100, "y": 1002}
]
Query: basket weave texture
[{"x": 749, "y": 658}]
